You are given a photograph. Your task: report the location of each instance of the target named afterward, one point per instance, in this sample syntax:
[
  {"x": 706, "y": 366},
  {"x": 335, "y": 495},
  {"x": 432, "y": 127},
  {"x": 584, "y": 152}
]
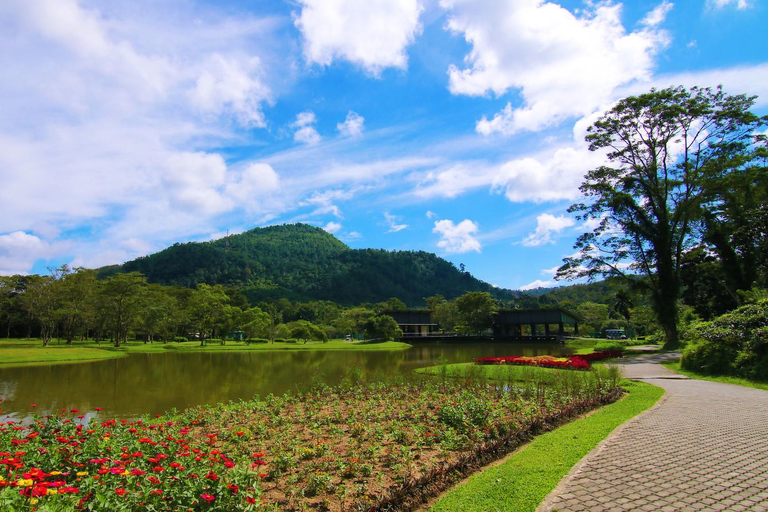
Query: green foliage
[
  {"x": 475, "y": 311},
  {"x": 607, "y": 346},
  {"x": 383, "y": 327},
  {"x": 733, "y": 344},
  {"x": 647, "y": 200}
]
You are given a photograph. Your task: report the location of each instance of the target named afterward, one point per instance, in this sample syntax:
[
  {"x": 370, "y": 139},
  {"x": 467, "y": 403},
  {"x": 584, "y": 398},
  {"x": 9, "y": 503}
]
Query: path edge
[{"x": 558, "y": 490}]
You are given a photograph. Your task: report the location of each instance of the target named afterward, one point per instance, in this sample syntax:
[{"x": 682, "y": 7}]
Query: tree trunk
[{"x": 665, "y": 304}]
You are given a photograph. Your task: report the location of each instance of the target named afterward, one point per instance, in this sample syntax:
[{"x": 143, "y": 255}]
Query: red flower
[
  {"x": 208, "y": 497},
  {"x": 120, "y": 492}
]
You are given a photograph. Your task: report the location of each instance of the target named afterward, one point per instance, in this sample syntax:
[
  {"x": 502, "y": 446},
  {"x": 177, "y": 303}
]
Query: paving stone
[{"x": 702, "y": 447}]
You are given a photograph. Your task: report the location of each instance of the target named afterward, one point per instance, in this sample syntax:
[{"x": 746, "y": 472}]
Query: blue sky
[{"x": 450, "y": 126}]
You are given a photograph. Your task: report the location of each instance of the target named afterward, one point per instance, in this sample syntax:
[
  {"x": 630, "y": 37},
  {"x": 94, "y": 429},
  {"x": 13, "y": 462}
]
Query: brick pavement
[{"x": 704, "y": 446}]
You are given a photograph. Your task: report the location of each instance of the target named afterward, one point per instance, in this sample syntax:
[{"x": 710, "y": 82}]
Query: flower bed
[
  {"x": 361, "y": 447},
  {"x": 61, "y": 464},
  {"x": 578, "y": 362}
]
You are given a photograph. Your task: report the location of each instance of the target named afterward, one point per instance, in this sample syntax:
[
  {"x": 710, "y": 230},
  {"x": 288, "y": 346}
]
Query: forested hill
[{"x": 302, "y": 262}]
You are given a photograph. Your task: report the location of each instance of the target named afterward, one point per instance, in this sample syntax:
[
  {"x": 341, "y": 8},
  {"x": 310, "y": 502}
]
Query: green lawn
[
  {"x": 38, "y": 355},
  {"x": 675, "y": 367},
  {"x": 582, "y": 345},
  {"x": 522, "y": 481},
  {"x": 15, "y": 352}
]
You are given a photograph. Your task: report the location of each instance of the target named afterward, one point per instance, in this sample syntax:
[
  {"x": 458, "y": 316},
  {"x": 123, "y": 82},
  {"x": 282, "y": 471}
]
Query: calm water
[{"x": 154, "y": 383}]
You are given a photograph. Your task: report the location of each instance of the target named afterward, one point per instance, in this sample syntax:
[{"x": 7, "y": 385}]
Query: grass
[
  {"x": 522, "y": 481},
  {"x": 581, "y": 345},
  {"x": 26, "y": 352},
  {"x": 37, "y": 355},
  {"x": 738, "y": 381}
]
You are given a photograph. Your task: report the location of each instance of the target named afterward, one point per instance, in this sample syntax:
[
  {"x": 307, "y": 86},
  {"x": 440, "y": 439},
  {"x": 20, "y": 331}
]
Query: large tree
[
  {"x": 75, "y": 287},
  {"x": 646, "y": 201},
  {"x": 475, "y": 312},
  {"x": 122, "y": 299}
]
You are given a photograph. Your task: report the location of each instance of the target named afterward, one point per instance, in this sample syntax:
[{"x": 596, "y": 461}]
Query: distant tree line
[{"x": 72, "y": 304}]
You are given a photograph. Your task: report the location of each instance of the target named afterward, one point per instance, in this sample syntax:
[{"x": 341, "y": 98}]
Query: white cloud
[
  {"x": 546, "y": 226},
  {"x": 229, "y": 84},
  {"x": 373, "y": 34},
  {"x": 307, "y": 135},
  {"x": 455, "y": 179},
  {"x": 19, "y": 251},
  {"x": 352, "y": 125},
  {"x": 391, "y": 221},
  {"x": 457, "y": 238},
  {"x": 538, "y": 284},
  {"x": 564, "y": 65},
  {"x": 719, "y": 4},
  {"x": 305, "y": 118},
  {"x": 547, "y": 176},
  {"x": 324, "y": 201},
  {"x": 550, "y": 271},
  {"x": 657, "y": 15},
  {"x": 193, "y": 180},
  {"x": 100, "y": 101},
  {"x": 431, "y": 214},
  {"x": 254, "y": 187},
  {"x": 332, "y": 227},
  {"x": 305, "y": 132}
]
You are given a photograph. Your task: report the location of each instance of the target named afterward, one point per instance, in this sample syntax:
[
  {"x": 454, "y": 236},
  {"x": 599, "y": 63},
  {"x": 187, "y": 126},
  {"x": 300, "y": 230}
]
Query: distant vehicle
[
  {"x": 615, "y": 334},
  {"x": 348, "y": 337}
]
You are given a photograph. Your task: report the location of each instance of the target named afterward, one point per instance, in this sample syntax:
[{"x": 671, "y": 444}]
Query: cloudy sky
[{"x": 451, "y": 126}]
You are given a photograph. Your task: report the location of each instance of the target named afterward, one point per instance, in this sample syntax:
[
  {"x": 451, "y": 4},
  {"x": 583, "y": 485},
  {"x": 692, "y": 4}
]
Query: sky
[{"x": 450, "y": 126}]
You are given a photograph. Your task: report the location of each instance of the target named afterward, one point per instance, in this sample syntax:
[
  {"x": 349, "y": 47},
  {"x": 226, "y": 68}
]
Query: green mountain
[{"x": 302, "y": 262}]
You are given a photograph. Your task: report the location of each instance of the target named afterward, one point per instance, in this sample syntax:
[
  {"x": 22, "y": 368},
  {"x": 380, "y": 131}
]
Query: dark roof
[{"x": 536, "y": 316}]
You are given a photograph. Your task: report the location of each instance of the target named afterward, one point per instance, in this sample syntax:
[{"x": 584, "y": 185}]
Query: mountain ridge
[{"x": 303, "y": 262}]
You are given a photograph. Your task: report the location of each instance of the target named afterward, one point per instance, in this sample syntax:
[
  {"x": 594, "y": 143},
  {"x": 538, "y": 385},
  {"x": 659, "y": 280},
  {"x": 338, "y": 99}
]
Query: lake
[{"x": 155, "y": 383}]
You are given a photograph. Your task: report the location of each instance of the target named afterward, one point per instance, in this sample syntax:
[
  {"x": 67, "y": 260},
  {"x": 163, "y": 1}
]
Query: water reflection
[{"x": 154, "y": 383}]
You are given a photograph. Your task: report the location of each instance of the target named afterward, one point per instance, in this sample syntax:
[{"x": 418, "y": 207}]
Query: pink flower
[{"x": 208, "y": 497}]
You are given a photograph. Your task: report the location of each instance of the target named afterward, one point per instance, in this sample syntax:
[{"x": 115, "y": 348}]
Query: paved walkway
[{"x": 704, "y": 446}]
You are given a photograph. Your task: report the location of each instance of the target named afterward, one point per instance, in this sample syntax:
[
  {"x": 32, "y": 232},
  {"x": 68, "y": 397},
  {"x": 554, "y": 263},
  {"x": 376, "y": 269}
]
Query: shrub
[
  {"x": 735, "y": 343},
  {"x": 656, "y": 338},
  {"x": 256, "y": 340},
  {"x": 180, "y": 339},
  {"x": 609, "y": 346}
]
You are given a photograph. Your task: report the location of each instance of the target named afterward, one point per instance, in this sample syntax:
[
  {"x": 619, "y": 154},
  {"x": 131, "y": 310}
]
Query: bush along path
[
  {"x": 377, "y": 446},
  {"x": 702, "y": 447}
]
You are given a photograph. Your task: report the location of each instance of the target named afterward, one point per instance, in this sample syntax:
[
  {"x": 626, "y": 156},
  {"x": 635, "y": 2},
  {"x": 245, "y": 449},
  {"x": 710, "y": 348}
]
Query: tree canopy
[{"x": 664, "y": 150}]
